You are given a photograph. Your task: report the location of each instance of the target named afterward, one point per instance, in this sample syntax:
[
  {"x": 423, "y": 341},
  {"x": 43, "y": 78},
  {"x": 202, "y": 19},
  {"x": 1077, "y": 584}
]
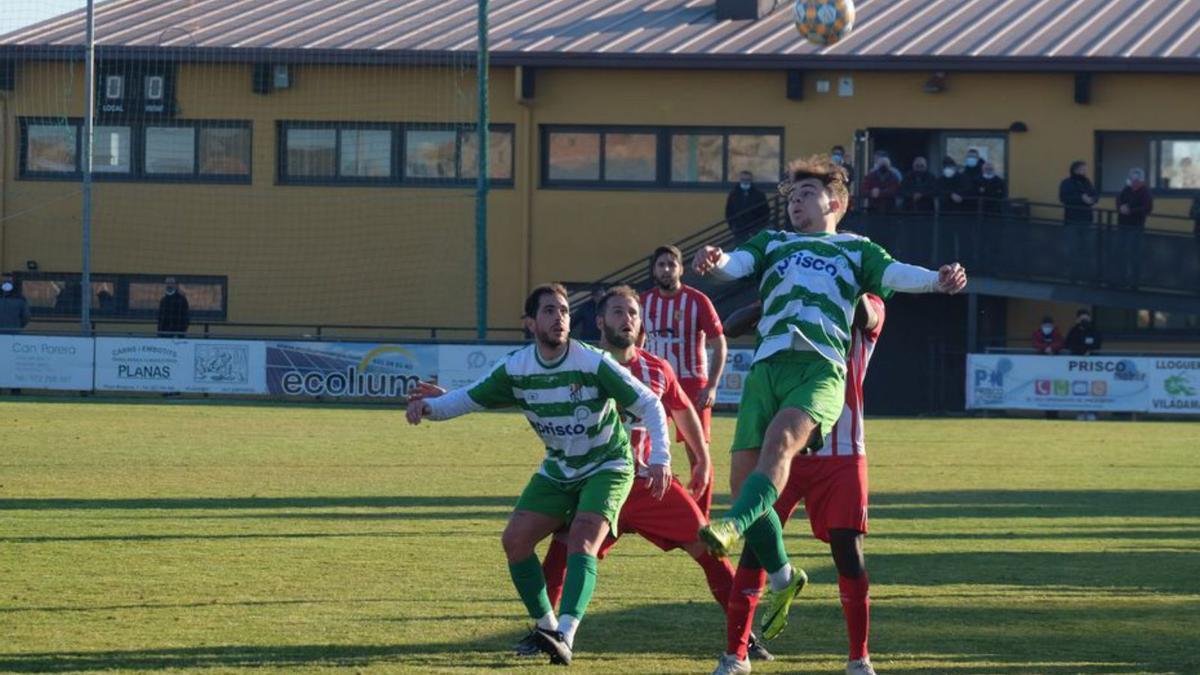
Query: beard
[
  {"x": 667, "y": 283},
  {"x": 617, "y": 338},
  {"x": 551, "y": 340}
]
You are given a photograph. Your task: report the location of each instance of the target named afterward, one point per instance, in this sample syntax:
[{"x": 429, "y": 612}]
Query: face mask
[
  {"x": 989, "y": 174},
  {"x": 1047, "y": 328},
  {"x": 972, "y": 161},
  {"x": 920, "y": 168},
  {"x": 837, "y": 158},
  {"x": 883, "y": 165},
  {"x": 170, "y": 291},
  {"x": 1085, "y": 319},
  {"x": 6, "y": 287},
  {"x": 1129, "y": 182},
  {"x": 744, "y": 186},
  {"x": 949, "y": 172}
]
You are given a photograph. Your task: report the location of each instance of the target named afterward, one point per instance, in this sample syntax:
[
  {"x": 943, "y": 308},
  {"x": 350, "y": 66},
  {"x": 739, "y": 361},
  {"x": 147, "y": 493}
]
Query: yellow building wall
[{"x": 290, "y": 251}]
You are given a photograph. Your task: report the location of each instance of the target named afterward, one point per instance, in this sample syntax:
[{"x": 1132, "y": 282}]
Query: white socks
[
  {"x": 567, "y": 625},
  {"x": 780, "y": 578},
  {"x": 548, "y": 622}
]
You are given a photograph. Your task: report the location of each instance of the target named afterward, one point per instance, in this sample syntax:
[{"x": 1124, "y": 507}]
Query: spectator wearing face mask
[
  {"x": 838, "y": 154},
  {"x": 973, "y": 165},
  {"x": 919, "y": 187},
  {"x": 14, "y": 309},
  {"x": 174, "y": 314},
  {"x": 1078, "y": 195},
  {"x": 952, "y": 187},
  {"x": 1046, "y": 338},
  {"x": 991, "y": 189},
  {"x": 1133, "y": 205},
  {"x": 1084, "y": 338},
  {"x": 882, "y": 185},
  {"x": 746, "y": 208}
]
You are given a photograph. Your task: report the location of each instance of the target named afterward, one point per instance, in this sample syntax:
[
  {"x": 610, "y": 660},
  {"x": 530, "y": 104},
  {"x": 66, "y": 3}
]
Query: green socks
[
  {"x": 531, "y": 585},
  {"x": 765, "y": 539},
  {"x": 756, "y": 499},
  {"x": 579, "y": 585}
]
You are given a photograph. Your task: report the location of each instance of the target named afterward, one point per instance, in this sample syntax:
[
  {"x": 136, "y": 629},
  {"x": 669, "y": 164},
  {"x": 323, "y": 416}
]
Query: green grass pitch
[{"x": 188, "y": 537}]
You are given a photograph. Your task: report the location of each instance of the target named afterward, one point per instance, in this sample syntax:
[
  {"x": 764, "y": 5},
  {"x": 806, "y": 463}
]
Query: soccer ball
[{"x": 824, "y": 22}]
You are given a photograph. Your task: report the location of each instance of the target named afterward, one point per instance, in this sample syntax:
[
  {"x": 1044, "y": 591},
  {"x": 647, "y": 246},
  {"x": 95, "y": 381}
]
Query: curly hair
[{"x": 824, "y": 169}]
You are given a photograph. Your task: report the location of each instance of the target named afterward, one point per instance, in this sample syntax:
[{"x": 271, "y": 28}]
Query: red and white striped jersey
[
  {"x": 847, "y": 438},
  {"x": 660, "y": 377},
  {"x": 677, "y": 328}
]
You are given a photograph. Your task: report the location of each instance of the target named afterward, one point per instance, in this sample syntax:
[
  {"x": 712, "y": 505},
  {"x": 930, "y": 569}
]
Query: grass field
[{"x": 182, "y": 537}]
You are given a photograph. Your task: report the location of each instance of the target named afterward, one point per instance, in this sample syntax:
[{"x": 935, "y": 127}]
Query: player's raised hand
[
  {"x": 425, "y": 390},
  {"x": 659, "y": 479},
  {"x": 699, "y": 481},
  {"x": 952, "y": 278},
  {"x": 417, "y": 409},
  {"x": 706, "y": 259}
]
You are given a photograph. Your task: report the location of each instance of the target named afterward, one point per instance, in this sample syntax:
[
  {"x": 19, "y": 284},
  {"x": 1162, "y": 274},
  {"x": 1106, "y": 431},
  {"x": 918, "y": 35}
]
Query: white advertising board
[{"x": 42, "y": 362}]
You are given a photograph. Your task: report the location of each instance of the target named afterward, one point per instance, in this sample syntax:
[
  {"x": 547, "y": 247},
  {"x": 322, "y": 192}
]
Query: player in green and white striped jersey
[
  {"x": 570, "y": 393},
  {"x": 809, "y": 283}
]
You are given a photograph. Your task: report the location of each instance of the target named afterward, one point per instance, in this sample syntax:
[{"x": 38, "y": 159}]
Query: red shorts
[
  {"x": 834, "y": 491},
  {"x": 668, "y": 523},
  {"x": 692, "y": 388}
]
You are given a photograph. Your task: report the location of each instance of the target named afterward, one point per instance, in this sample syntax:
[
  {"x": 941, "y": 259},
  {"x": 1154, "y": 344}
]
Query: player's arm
[
  {"x": 747, "y": 260},
  {"x": 715, "y": 332},
  {"x": 637, "y": 398},
  {"x": 743, "y": 320},
  {"x": 493, "y": 390},
  {"x": 882, "y": 275},
  {"x": 866, "y": 317},
  {"x": 688, "y": 424}
]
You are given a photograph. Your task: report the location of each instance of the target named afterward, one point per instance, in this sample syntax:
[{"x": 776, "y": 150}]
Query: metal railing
[{"x": 103, "y": 327}]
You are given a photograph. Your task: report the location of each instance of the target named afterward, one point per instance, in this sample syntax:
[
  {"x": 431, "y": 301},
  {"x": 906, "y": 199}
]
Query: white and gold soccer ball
[{"x": 824, "y": 22}]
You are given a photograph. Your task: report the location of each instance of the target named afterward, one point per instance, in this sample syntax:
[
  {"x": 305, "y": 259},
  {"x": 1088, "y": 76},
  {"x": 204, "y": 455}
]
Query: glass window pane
[
  {"x": 201, "y": 296},
  {"x": 760, "y": 154},
  {"x": 991, "y": 149},
  {"x": 1118, "y": 154},
  {"x": 429, "y": 154},
  {"x": 1179, "y": 165},
  {"x": 500, "y": 148},
  {"x": 170, "y": 150},
  {"x": 574, "y": 156},
  {"x": 110, "y": 149},
  {"x": 51, "y": 148},
  {"x": 630, "y": 157},
  {"x": 310, "y": 152},
  {"x": 225, "y": 151},
  {"x": 696, "y": 158},
  {"x": 366, "y": 153}
]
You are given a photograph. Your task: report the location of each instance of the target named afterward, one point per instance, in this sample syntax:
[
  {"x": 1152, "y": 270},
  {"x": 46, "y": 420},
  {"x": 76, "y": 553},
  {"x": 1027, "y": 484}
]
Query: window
[
  {"x": 126, "y": 296},
  {"x": 1115, "y": 321},
  {"x": 658, "y": 157},
  {"x": 1171, "y": 160},
  {"x": 176, "y": 151},
  {"x": 379, "y": 153}
]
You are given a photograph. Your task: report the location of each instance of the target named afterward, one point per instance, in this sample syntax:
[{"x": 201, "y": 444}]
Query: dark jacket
[
  {"x": 1071, "y": 193},
  {"x": 746, "y": 211},
  {"x": 922, "y": 183},
  {"x": 993, "y": 191},
  {"x": 957, "y": 184},
  {"x": 1083, "y": 339},
  {"x": 174, "y": 315},
  {"x": 887, "y": 183},
  {"x": 14, "y": 312},
  {"x": 1140, "y": 203}
]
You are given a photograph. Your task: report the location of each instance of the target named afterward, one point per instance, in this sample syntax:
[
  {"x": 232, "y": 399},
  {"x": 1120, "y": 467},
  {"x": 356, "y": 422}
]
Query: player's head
[
  {"x": 619, "y": 318},
  {"x": 817, "y": 194},
  {"x": 667, "y": 267},
  {"x": 548, "y": 315}
]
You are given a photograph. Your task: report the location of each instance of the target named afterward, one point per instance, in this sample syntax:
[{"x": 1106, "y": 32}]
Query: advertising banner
[
  {"x": 461, "y": 365},
  {"x": 1174, "y": 385},
  {"x": 191, "y": 366},
  {"x": 737, "y": 366},
  {"x": 348, "y": 370},
  {"x": 1084, "y": 383},
  {"x": 37, "y": 362}
]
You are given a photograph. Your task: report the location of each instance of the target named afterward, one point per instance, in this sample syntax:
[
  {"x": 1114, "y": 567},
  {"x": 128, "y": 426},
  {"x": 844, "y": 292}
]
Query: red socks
[
  {"x": 554, "y": 568},
  {"x": 739, "y": 611},
  {"x": 856, "y": 605},
  {"x": 719, "y": 574}
]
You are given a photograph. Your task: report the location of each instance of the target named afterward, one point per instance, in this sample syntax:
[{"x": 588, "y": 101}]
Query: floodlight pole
[
  {"x": 89, "y": 98},
  {"x": 481, "y": 176}
]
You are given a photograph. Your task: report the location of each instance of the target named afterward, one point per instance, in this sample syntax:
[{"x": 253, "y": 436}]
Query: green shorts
[
  {"x": 803, "y": 380},
  {"x": 604, "y": 493}
]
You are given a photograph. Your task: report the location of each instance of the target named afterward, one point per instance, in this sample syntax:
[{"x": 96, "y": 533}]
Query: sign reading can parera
[
  {"x": 193, "y": 366},
  {"x": 39, "y": 362}
]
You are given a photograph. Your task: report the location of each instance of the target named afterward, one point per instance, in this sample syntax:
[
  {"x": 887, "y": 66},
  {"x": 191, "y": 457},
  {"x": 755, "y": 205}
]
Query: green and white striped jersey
[
  {"x": 572, "y": 404},
  {"x": 809, "y": 285}
]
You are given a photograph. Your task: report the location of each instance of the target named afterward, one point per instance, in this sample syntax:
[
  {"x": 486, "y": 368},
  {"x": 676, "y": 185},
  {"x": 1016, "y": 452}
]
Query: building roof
[{"x": 888, "y": 34}]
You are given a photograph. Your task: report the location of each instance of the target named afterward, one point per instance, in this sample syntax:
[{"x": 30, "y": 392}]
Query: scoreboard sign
[{"x": 144, "y": 89}]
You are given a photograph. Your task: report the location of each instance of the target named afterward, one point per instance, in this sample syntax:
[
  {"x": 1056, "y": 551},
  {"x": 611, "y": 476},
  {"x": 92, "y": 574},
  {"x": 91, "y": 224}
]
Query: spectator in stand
[
  {"x": 952, "y": 187},
  {"x": 992, "y": 189},
  {"x": 882, "y": 185},
  {"x": 1133, "y": 205},
  {"x": 1078, "y": 196},
  {"x": 838, "y": 154},
  {"x": 14, "y": 309},
  {"x": 174, "y": 314},
  {"x": 1046, "y": 338},
  {"x": 746, "y": 209},
  {"x": 583, "y": 321},
  {"x": 919, "y": 187},
  {"x": 1084, "y": 340},
  {"x": 1194, "y": 212},
  {"x": 973, "y": 165}
]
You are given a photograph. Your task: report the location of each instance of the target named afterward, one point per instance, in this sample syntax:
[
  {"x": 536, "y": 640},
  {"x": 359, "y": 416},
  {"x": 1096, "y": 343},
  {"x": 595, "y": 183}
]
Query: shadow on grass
[
  {"x": 203, "y": 503},
  {"x": 1035, "y": 504},
  {"x": 135, "y": 538}
]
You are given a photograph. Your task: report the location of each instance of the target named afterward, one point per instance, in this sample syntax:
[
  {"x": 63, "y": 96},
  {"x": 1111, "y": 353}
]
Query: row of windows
[
  {"x": 1171, "y": 161},
  {"x": 125, "y": 296}
]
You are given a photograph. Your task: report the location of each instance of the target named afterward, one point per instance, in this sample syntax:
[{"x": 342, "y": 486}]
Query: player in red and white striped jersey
[
  {"x": 673, "y": 520},
  {"x": 833, "y": 485},
  {"x": 681, "y": 323}
]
